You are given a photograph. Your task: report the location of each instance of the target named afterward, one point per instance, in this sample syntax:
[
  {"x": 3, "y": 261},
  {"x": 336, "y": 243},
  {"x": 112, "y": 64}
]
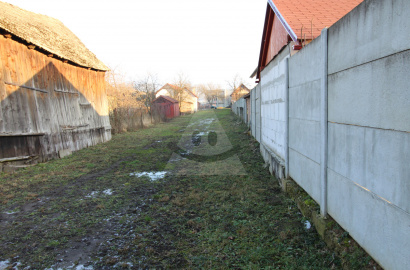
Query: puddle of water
[
  {"x": 107, "y": 192},
  {"x": 308, "y": 225},
  {"x": 202, "y": 122},
  {"x": 152, "y": 175},
  {"x": 206, "y": 121}
]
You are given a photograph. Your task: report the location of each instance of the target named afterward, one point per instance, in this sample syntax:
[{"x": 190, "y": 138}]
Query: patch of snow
[
  {"x": 82, "y": 267},
  {"x": 4, "y": 264},
  {"x": 107, "y": 192},
  {"x": 10, "y": 213},
  {"x": 308, "y": 225},
  {"x": 121, "y": 264},
  {"x": 73, "y": 267},
  {"x": 152, "y": 175},
  {"x": 92, "y": 194}
]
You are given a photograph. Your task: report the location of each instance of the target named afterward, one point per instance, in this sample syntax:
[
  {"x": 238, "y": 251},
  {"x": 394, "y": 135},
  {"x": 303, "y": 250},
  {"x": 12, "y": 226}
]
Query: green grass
[{"x": 181, "y": 222}]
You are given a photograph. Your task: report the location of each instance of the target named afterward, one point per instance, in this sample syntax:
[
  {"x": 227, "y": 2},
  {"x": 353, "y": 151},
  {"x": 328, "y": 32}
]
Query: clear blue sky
[{"x": 209, "y": 41}]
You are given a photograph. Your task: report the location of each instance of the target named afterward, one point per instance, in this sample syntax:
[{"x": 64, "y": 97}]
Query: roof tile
[{"x": 323, "y": 12}]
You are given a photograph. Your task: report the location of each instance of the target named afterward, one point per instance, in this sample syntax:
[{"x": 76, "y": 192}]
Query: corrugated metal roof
[
  {"x": 48, "y": 34},
  {"x": 309, "y": 17}
]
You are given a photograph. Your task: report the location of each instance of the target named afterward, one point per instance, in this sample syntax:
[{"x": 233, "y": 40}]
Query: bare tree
[
  {"x": 182, "y": 81},
  {"x": 211, "y": 92},
  {"x": 146, "y": 87},
  {"x": 180, "y": 89},
  {"x": 124, "y": 107},
  {"x": 120, "y": 92},
  {"x": 235, "y": 82}
]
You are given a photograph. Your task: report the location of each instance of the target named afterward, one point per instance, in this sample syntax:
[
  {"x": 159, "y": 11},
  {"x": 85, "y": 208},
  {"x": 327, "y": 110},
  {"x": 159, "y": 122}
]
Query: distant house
[
  {"x": 188, "y": 101},
  {"x": 52, "y": 89},
  {"x": 239, "y": 92},
  {"x": 165, "y": 106}
]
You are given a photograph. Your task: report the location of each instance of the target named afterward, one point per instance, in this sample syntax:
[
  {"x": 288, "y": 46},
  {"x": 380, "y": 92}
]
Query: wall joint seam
[{"x": 368, "y": 62}]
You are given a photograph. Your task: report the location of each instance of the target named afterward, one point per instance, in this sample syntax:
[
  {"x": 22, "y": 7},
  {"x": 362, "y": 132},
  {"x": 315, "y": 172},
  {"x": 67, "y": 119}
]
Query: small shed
[{"x": 167, "y": 107}]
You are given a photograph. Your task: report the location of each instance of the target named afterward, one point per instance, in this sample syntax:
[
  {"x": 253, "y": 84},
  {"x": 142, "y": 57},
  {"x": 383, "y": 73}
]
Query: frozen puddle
[{"x": 152, "y": 175}]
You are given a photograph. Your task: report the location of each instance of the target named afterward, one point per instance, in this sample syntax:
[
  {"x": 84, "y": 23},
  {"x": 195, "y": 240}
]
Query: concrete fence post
[
  {"x": 323, "y": 125},
  {"x": 287, "y": 118}
]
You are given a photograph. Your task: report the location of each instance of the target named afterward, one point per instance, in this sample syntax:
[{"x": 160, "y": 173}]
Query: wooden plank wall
[{"x": 63, "y": 106}]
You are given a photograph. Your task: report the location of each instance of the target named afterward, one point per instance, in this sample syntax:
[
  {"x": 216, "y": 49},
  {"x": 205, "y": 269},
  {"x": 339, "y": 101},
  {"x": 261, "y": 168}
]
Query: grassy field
[{"x": 215, "y": 207}]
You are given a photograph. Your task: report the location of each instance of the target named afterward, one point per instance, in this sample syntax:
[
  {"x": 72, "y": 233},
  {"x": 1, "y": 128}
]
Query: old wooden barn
[{"x": 52, "y": 89}]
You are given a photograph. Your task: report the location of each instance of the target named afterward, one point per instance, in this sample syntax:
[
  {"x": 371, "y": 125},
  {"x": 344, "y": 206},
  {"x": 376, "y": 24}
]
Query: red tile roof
[{"x": 311, "y": 14}]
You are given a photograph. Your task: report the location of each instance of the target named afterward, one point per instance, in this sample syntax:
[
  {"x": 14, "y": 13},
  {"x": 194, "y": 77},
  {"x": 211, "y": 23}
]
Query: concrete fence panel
[
  {"x": 304, "y": 118},
  {"x": 258, "y": 126},
  {"x": 369, "y": 128}
]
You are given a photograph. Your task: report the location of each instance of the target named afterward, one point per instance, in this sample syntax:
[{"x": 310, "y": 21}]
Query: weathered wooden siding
[{"x": 47, "y": 102}]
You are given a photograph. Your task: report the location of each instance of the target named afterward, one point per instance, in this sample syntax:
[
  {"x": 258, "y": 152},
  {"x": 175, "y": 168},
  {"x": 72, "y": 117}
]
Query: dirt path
[{"x": 191, "y": 193}]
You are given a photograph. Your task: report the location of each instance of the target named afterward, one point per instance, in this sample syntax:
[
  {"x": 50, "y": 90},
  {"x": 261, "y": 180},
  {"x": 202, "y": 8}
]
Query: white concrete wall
[
  {"x": 273, "y": 98},
  {"x": 258, "y": 127},
  {"x": 369, "y": 128},
  {"x": 253, "y": 112},
  {"x": 305, "y": 71},
  {"x": 236, "y": 108}
]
